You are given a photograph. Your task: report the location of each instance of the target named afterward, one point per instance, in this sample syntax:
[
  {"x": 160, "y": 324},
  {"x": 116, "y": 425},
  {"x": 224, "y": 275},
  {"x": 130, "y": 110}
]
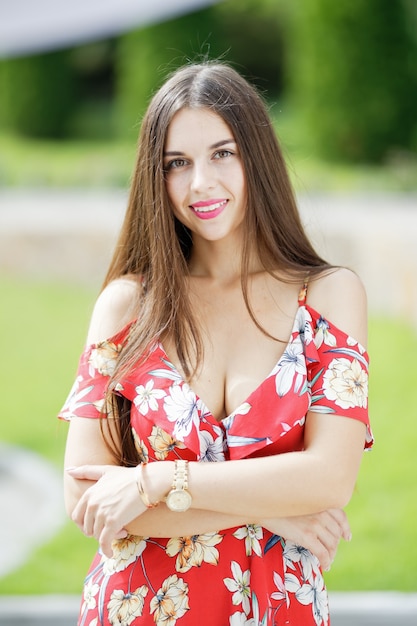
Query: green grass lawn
[
  {"x": 43, "y": 329},
  {"x": 34, "y": 163}
]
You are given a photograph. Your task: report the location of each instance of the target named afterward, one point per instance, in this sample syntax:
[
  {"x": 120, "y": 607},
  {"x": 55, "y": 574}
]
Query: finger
[
  {"x": 325, "y": 528},
  {"x": 332, "y": 525},
  {"x": 83, "y": 514},
  {"x": 87, "y": 472},
  {"x": 321, "y": 550},
  {"x": 92, "y": 523},
  {"x": 78, "y": 514},
  {"x": 106, "y": 541},
  {"x": 328, "y": 533},
  {"x": 122, "y": 534},
  {"x": 341, "y": 518},
  {"x": 327, "y": 549}
]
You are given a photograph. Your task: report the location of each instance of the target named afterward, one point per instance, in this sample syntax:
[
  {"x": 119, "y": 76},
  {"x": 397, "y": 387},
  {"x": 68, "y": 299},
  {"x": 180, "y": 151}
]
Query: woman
[{"x": 225, "y": 347}]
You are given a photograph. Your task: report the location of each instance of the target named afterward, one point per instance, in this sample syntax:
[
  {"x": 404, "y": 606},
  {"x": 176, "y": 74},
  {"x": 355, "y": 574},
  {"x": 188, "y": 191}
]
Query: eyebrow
[{"x": 218, "y": 144}]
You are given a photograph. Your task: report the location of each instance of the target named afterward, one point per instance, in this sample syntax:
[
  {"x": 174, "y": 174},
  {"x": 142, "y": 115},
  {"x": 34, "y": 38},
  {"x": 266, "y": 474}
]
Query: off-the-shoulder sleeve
[
  {"x": 96, "y": 365},
  {"x": 337, "y": 367}
]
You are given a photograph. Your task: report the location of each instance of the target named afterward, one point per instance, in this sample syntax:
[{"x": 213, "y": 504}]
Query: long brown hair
[{"x": 154, "y": 245}]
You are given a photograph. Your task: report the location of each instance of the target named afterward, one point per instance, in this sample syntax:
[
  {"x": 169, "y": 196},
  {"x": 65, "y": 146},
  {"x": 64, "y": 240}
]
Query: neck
[{"x": 220, "y": 260}]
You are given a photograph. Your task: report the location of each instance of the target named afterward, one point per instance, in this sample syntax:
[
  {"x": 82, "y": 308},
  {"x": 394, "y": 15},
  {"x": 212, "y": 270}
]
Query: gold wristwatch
[{"x": 179, "y": 498}]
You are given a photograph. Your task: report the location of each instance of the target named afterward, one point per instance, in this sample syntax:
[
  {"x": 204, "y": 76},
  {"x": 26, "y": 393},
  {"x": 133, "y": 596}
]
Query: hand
[
  {"x": 109, "y": 505},
  {"x": 320, "y": 533}
]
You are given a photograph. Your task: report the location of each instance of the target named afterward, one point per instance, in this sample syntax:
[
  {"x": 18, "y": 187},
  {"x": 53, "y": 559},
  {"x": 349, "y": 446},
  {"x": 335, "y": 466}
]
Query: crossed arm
[{"x": 298, "y": 495}]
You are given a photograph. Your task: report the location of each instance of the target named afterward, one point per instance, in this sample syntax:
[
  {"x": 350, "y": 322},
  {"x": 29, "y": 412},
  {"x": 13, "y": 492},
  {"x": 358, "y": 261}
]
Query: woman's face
[{"x": 204, "y": 175}]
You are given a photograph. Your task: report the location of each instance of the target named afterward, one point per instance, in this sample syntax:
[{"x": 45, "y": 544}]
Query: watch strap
[{"x": 180, "y": 475}]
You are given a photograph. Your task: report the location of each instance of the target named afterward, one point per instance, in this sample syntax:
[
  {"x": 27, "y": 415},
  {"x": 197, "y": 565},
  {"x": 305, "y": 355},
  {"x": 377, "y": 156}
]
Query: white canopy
[{"x": 34, "y": 26}]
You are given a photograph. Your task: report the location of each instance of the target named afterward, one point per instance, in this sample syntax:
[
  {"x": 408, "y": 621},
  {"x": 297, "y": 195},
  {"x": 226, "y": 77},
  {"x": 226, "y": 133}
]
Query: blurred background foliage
[
  {"x": 352, "y": 67},
  {"x": 342, "y": 74}
]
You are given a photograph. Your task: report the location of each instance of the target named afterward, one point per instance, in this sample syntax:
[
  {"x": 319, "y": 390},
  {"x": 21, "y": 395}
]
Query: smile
[{"x": 208, "y": 209}]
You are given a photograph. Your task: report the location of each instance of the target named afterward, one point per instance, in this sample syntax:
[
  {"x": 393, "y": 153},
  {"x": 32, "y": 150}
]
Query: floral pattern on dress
[
  {"x": 170, "y": 602},
  {"x": 124, "y": 608},
  {"x": 254, "y": 577},
  {"x": 193, "y": 551},
  {"x": 346, "y": 383}
]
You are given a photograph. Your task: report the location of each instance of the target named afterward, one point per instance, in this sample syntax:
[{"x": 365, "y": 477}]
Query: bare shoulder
[
  {"x": 340, "y": 296},
  {"x": 115, "y": 307}
]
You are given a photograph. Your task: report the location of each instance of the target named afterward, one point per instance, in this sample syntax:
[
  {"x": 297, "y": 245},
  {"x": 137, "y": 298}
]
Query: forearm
[
  {"x": 271, "y": 487},
  {"x": 114, "y": 490},
  {"x": 298, "y": 483},
  {"x": 161, "y": 522},
  {"x": 73, "y": 490},
  {"x": 254, "y": 487}
]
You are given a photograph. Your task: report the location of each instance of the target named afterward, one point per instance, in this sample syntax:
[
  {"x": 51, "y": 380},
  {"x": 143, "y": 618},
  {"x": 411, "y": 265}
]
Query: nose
[{"x": 202, "y": 176}]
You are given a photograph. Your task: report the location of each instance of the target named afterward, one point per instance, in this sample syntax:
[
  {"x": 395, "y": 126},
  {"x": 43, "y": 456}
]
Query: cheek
[
  {"x": 175, "y": 190},
  {"x": 176, "y": 199}
]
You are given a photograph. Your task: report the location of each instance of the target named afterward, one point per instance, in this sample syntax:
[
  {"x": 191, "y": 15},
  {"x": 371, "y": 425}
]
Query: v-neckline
[{"x": 255, "y": 391}]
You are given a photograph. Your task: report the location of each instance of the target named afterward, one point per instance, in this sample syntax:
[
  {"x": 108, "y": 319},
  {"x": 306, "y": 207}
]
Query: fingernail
[
  {"x": 68, "y": 469},
  {"x": 349, "y": 537}
]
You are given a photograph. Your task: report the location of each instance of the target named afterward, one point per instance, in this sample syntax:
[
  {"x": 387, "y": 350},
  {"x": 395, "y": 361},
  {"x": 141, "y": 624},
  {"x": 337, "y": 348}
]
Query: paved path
[{"x": 31, "y": 503}]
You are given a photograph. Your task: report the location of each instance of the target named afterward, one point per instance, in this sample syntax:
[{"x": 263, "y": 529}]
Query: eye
[
  {"x": 222, "y": 154},
  {"x": 174, "y": 164}
]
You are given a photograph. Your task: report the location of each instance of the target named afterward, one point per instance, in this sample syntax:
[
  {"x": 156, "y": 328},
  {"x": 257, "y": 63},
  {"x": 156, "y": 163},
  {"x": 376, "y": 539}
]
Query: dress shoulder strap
[{"x": 302, "y": 295}]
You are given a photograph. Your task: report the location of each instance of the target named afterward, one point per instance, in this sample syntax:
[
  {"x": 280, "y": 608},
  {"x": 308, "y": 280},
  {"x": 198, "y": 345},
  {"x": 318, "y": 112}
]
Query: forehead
[{"x": 197, "y": 126}]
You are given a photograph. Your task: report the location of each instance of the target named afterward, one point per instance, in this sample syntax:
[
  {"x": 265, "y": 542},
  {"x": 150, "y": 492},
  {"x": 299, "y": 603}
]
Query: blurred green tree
[
  {"x": 246, "y": 33},
  {"x": 350, "y": 76},
  {"x": 38, "y": 94},
  {"x": 253, "y": 30},
  {"x": 145, "y": 56},
  {"x": 93, "y": 65}
]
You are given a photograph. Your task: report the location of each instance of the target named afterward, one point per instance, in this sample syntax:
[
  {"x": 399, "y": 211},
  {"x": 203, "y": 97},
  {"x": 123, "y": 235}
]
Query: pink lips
[{"x": 208, "y": 209}]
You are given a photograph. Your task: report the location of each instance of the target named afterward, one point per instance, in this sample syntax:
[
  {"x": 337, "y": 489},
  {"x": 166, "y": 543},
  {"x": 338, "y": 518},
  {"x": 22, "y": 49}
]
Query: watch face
[{"x": 178, "y": 500}]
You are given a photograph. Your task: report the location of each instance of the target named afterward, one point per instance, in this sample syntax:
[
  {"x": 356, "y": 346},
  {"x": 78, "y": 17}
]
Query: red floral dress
[{"x": 244, "y": 576}]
